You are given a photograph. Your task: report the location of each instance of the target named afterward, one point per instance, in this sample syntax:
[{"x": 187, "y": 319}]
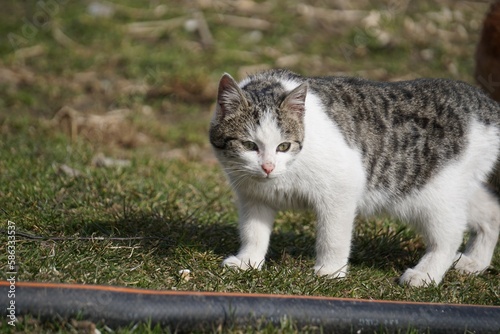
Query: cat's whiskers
[
  {"x": 239, "y": 173},
  {"x": 239, "y": 180}
]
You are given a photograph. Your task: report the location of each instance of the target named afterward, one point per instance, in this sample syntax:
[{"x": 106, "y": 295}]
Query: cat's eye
[
  {"x": 283, "y": 147},
  {"x": 250, "y": 145}
]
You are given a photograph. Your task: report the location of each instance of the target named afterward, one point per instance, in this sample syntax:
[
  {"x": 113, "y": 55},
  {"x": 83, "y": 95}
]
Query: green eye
[
  {"x": 250, "y": 145},
  {"x": 283, "y": 147}
]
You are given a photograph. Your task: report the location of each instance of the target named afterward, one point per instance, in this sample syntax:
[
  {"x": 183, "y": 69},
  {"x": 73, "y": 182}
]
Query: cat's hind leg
[
  {"x": 443, "y": 221},
  {"x": 484, "y": 222},
  {"x": 442, "y": 246}
]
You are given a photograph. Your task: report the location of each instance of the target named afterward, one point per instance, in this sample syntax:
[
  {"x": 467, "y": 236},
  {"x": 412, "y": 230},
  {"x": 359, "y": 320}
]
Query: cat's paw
[
  {"x": 415, "y": 278},
  {"x": 242, "y": 263},
  {"x": 330, "y": 272},
  {"x": 468, "y": 265}
]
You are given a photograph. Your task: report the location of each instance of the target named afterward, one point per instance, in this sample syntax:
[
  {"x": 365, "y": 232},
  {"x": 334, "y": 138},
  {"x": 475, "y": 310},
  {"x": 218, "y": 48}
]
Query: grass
[{"x": 173, "y": 194}]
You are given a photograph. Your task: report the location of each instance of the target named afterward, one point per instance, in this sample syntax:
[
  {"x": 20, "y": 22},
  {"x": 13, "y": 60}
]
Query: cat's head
[{"x": 258, "y": 129}]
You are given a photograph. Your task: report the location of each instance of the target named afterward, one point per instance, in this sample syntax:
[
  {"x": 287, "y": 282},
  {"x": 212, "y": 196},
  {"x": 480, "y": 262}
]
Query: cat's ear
[
  {"x": 229, "y": 96},
  {"x": 295, "y": 101}
]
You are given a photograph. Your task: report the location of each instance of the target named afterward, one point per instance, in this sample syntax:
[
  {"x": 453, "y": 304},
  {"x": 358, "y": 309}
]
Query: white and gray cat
[{"x": 420, "y": 150}]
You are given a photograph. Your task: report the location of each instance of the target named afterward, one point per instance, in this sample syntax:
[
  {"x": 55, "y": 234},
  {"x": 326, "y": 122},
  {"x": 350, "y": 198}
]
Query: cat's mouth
[
  {"x": 266, "y": 177},
  {"x": 258, "y": 177}
]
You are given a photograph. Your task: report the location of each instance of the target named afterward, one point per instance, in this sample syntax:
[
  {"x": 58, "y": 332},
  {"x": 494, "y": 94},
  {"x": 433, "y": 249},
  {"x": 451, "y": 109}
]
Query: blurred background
[{"x": 128, "y": 75}]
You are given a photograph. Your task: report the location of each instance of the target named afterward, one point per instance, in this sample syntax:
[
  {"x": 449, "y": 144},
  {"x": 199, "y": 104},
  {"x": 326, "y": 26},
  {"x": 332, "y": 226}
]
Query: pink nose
[{"x": 268, "y": 167}]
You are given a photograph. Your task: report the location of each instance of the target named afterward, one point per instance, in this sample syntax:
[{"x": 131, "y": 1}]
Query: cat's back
[
  {"x": 402, "y": 101},
  {"x": 406, "y": 131}
]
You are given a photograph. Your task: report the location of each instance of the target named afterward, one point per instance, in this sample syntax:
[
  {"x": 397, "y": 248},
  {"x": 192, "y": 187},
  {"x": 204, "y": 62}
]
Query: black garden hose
[{"x": 195, "y": 311}]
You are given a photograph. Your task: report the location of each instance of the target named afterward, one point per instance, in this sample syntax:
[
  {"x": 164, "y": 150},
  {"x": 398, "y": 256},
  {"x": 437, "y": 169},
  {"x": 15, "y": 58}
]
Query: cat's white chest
[{"x": 281, "y": 193}]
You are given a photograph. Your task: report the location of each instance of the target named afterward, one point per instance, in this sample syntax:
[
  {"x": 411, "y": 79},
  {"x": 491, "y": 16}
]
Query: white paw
[
  {"x": 331, "y": 272},
  {"x": 416, "y": 278},
  {"x": 468, "y": 265},
  {"x": 242, "y": 263}
]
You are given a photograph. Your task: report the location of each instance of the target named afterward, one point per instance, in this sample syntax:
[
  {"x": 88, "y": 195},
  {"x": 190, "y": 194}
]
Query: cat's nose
[{"x": 268, "y": 167}]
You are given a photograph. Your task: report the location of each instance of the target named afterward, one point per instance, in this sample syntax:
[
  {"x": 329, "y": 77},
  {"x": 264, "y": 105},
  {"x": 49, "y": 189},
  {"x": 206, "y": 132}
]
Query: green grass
[{"x": 171, "y": 208}]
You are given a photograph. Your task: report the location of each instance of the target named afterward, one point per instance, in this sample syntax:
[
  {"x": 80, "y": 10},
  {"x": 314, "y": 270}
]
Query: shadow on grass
[
  {"x": 380, "y": 249},
  {"x": 386, "y": 249},
  {"x": 165, "y": 234}
]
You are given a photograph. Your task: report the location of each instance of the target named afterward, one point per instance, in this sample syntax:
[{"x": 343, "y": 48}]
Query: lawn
[{"x": 105, "y": 165}]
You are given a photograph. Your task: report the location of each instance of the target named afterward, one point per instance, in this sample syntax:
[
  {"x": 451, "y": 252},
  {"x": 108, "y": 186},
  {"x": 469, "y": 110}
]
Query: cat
[{"x": 420, "y": 151}]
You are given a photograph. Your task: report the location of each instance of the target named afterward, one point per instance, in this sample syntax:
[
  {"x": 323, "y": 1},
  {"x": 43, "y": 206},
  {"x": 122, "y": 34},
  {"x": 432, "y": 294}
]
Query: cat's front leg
[
  {"x": 333, "y": 238},
  {"x": 255, "y": 226}
]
